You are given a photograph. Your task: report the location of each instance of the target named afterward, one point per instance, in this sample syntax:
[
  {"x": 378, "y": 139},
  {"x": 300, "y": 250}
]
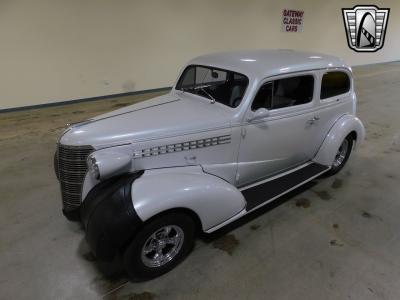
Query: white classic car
[{"x": 236, "y": 131}]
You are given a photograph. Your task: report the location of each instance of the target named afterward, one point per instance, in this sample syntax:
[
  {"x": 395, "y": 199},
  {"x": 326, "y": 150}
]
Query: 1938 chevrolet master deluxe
[{"x": 237, "y": 131}]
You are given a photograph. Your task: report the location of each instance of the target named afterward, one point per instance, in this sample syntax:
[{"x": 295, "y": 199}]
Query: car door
[
  {"x": 283, "y": 138},
  {"x": 335, "y": 100}
]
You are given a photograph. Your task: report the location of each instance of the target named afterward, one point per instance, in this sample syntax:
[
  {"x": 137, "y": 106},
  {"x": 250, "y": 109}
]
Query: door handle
[{"x": 313, "y": 120}]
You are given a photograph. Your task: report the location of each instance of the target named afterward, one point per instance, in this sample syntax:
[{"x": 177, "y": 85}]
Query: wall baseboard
[{"x": 90, "y": 99}]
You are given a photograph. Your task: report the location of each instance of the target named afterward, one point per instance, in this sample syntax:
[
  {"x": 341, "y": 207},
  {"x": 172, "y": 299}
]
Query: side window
[
  {"x": 334, "y": 83},
  {"x": 293, "y": 91},
  {"x": 285, "y": 92},
  {"x": 263, "y": 97}
]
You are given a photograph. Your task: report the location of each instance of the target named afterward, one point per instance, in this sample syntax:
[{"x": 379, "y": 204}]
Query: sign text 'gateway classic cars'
[{"x": 292, "y": 20}]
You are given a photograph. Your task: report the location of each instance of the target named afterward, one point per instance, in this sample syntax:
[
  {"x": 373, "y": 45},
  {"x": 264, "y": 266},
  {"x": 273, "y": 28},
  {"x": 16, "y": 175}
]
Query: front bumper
[{"x": 108, "y": 216}]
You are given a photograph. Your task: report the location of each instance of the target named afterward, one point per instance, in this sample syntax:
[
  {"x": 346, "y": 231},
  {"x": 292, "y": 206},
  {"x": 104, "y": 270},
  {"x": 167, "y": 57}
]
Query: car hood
[{"x": 168, "y": 115}]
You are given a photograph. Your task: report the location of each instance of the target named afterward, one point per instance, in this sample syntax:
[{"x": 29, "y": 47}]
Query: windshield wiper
[
  {"x": 202, "y": 88},
  {"x": 208, "y": 94}
]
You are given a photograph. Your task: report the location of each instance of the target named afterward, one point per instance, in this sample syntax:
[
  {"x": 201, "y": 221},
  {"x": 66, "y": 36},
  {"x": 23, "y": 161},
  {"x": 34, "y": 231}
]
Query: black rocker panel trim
[
  {"x": 263, "y": 192},
  {"x": 108, "y": 216}
]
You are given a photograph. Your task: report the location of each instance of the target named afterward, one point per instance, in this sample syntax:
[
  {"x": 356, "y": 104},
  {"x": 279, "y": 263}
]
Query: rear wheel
[
  {"x": 159, "y": 246},
  {"x": 341, "y": 156}
]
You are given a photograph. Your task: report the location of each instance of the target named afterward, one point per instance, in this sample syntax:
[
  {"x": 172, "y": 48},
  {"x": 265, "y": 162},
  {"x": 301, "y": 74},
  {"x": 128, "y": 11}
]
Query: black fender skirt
[{"x": 108, "y": 216}]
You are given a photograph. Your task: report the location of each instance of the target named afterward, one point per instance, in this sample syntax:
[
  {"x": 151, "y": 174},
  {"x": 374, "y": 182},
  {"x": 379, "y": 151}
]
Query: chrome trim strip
[{"x": 182, "y": 146}]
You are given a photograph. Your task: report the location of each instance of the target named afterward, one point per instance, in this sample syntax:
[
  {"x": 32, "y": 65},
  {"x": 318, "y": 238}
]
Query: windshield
[{"x": 218, "y": 85}]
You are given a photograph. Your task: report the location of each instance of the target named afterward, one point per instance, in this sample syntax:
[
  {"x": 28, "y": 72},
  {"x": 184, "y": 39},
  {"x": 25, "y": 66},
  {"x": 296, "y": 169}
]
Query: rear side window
[
  {"x": 285, "y": 92},
  {"x": 334, "y": 83}
]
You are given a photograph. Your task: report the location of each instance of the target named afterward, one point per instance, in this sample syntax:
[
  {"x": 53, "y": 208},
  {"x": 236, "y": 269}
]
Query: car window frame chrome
[{"x": 283, "y": 112}]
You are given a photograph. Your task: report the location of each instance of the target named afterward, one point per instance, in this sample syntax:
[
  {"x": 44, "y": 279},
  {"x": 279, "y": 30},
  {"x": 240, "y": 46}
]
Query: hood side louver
[{"x": 184, "y": 146}]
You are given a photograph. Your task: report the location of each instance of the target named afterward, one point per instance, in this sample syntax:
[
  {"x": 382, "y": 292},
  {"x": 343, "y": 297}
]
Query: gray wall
[{"x": 54, "y": 50}]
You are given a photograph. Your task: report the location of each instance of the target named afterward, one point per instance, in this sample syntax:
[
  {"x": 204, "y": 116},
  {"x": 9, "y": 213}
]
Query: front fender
[
  {"x": 342, "y": 128},
  {"x": 211, "y": 198},
  {"x": 108, "y": 216}
]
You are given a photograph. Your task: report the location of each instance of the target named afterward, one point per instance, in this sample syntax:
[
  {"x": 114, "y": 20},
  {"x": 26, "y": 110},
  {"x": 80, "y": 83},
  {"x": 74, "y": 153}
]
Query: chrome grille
[{"x": 71, "y": 168}]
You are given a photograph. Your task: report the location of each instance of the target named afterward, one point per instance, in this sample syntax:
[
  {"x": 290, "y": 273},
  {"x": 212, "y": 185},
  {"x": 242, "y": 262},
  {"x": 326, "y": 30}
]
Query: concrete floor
[{"x": 337, "y": 239}]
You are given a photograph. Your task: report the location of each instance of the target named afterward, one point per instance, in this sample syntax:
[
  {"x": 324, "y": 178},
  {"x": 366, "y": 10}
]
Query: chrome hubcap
[
  {"x": 162, "y": 246},
  {"x": 341, "y": 154}
]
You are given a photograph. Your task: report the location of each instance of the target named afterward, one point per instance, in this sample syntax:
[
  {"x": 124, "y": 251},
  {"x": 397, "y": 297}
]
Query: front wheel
[
  {"x": 159, "y": 246},
  {"x": 341, "y": 156}
]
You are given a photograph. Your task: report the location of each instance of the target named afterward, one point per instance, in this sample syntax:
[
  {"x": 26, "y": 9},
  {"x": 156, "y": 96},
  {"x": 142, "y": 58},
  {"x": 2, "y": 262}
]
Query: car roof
[{"x": 259, "y": 64}]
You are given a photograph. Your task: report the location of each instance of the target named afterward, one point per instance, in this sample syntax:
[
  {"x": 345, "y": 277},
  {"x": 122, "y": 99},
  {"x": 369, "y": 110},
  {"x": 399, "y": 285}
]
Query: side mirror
[{"x": 260, "y": 113}]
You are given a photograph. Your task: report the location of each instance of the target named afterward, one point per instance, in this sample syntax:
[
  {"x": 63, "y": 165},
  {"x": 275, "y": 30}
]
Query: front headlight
[
  {"x": 103, "y": 164},
  {"x": 93, "y": 167}
]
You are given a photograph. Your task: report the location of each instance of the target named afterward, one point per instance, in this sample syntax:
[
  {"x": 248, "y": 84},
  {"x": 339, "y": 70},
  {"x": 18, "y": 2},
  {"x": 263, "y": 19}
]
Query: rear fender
[
  {"x": 211, "y": 198},
  {"x": 342, "y": 128}
]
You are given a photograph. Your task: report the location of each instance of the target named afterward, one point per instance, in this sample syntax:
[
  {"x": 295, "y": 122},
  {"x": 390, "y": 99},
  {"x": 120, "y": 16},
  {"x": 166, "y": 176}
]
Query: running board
[{"x": 266, "y": 191}]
